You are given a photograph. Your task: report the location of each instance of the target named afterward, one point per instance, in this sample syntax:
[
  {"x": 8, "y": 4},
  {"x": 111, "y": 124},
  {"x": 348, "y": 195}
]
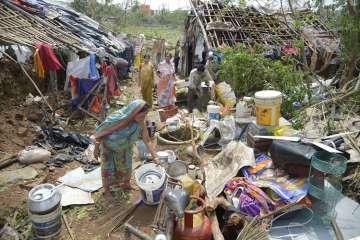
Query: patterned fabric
[
  {"x": 247, "y": 197},
  {"x": 166, "y": 86},
  {"x": 116, "y": 148}
]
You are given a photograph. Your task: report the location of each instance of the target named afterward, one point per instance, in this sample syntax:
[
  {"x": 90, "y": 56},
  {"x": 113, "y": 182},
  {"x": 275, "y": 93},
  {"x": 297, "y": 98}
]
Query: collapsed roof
[
  {"x": 220, "y": 24},
  {"x": 29, "y": 22}
]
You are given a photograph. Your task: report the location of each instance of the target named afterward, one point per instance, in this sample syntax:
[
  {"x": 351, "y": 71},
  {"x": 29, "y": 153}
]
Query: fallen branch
[
  {"x": 68, "y": 227},
  {"x": 7, "y": 161}
]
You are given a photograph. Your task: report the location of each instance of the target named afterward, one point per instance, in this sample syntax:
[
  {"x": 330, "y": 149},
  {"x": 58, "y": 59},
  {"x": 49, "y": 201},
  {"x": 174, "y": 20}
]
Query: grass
[{"x": 169, "y": 33}]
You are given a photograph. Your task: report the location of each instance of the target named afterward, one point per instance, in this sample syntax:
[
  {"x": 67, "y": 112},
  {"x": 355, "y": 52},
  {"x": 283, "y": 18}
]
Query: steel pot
[{"x": 43, "y": 198}]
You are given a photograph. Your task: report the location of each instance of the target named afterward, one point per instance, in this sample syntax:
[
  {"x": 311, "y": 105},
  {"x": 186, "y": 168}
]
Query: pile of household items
[{"x": 251, "y": 176}]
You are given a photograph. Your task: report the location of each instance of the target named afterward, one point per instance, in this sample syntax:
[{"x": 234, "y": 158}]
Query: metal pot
[{"x": 43, "y": 198}]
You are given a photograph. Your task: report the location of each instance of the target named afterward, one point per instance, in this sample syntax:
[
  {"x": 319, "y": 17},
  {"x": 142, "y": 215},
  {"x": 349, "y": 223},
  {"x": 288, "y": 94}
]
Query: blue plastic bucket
[{"x": 150, "y": 178}]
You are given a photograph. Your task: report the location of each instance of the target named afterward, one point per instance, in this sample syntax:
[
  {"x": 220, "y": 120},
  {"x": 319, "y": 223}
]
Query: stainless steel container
[
  {"x": 43, "y": 198},
  {"x": 45, "y": 211}
]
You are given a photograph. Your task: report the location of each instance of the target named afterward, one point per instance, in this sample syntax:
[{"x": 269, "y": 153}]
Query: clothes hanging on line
[{"x": 48, "y": 57}]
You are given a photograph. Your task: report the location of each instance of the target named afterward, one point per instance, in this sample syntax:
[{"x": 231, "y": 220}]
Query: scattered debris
[{"x": 77, "y": 178}]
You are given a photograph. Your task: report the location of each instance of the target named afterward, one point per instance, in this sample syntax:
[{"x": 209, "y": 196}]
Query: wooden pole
[
  {"x": 84, "y": 100},
  {"x": 31, "y": 80},
  {"x": 201, "y": 25}
]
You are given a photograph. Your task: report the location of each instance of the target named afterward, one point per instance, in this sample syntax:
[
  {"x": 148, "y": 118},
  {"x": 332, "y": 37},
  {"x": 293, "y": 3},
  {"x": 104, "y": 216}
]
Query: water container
[
  {"x": 45, "y": 211},
  {"x": 268, "y": 104},
  {"x": 213, "y": 112},
  {"x": 150, "y": 178}
]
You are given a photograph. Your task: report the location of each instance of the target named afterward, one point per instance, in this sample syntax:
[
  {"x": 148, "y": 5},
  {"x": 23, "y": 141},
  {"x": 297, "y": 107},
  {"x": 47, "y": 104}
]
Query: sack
[{"x": 34, "y": 155}]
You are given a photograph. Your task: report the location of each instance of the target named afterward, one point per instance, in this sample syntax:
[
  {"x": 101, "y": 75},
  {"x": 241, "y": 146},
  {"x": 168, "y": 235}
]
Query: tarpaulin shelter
[{"x": 38, "y": 23}]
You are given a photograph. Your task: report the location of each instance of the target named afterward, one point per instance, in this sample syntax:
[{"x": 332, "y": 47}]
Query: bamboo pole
[{"x": 201, "y": 25}]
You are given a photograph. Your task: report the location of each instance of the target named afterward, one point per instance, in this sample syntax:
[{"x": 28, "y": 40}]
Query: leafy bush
[{"x": 248, "y": 72}]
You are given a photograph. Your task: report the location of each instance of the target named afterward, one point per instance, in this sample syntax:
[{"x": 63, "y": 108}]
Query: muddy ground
[{"x": 17, "y": 130}]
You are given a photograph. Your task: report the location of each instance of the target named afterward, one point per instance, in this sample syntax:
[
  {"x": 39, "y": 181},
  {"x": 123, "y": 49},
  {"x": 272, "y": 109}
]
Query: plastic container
[
  {"x": 268, "y": 103},
  {"x": 241, "y": 109},
  {"x": 330, "y": 163},
  {"x": 150, "y": 178},
  {"x": 325, "y": 181},
  {"x": 44, "y": 209},
  {"x": 213, "y": 112}
]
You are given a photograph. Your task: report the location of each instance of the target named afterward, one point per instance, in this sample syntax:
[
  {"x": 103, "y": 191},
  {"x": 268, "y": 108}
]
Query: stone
[{"x": 25, "y": 173}]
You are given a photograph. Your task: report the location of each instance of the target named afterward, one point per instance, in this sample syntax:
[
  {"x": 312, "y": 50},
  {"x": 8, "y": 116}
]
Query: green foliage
[
  {"x": 129, "y": 19},
  {"x": 249, "y": 72}
]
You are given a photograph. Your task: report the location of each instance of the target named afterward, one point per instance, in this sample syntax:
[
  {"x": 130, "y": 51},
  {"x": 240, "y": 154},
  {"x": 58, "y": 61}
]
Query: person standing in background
[
  {"x": 166, "y": 84},
  {"x": 177, "y": 56},
  {"x": 146, "y": 80}
]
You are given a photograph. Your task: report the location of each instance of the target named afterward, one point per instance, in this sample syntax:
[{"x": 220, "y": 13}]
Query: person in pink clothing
[{"x": 166, "y": 83}]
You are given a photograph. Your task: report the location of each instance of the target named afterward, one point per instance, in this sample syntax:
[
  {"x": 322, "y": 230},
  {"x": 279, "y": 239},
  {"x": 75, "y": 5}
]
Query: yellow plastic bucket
[{"x": 268, "y": 103}]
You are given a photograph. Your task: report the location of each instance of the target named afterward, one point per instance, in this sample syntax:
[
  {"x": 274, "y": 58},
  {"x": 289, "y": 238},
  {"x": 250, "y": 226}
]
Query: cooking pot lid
[{"x": 41, "y": 192}]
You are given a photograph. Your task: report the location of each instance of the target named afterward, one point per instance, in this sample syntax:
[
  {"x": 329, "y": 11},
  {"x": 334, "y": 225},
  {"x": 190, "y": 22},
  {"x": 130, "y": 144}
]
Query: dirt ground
[{"x": 89, "y": 222}]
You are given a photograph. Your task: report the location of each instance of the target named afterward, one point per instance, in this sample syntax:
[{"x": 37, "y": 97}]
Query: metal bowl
[
  {"x": 176, "y": 169},
  {"x": 43, "y": 198}
]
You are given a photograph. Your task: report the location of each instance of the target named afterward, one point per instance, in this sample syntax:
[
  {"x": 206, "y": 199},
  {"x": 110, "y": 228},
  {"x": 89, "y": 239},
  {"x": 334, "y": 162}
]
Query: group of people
[
  {"x": 115, "y": 137},
  {"x": 164, "y": 74}
]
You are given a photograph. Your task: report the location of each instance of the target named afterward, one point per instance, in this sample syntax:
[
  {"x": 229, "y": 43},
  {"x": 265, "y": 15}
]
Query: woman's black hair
[{"x": 145, "y": 108}]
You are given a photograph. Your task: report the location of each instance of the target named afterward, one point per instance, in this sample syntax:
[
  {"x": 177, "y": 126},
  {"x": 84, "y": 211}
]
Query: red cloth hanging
[
  {"x": 48, "y": 57},
  {"x": 110, "y": 74}
]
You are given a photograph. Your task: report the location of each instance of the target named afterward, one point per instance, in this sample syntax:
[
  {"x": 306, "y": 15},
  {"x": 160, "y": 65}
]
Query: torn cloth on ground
[
  {"x": 247, "y": 197},
  {"x": 263, "y": 175},
  {"x": 77, "y": 178},
  {"x": 74, "y": 196},
  {"x": 226, "y": 165}
]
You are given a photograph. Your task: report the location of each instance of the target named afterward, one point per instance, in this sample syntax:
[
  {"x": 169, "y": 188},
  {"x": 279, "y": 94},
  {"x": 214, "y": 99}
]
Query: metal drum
[{"x": 45, "y": 211}]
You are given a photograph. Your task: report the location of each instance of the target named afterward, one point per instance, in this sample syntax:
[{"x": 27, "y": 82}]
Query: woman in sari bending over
[{"x": 114, "y": 139}]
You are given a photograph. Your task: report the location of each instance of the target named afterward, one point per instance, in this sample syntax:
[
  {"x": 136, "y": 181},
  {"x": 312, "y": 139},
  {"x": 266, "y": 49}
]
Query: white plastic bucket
[
  {"x": 268, "y": 103},
  {"x": 213, "y": 112},
  {"x": 150, "y": 178}
]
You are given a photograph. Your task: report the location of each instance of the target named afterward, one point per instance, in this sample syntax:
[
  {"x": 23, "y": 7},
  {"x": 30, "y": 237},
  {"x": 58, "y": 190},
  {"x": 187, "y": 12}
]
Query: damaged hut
[
  {"x": 66, "y": 47},
  {"x": 213, "y": 25}
]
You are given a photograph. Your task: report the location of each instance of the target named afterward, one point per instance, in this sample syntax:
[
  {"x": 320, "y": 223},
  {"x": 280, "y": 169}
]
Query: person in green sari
[{"x": 114, "y": 140}]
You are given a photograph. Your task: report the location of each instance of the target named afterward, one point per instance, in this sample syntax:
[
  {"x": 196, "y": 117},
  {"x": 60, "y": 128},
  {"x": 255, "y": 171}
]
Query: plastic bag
[
  {"x": 226, "y": 127},
  {"x": 263, "y": 175},
  {"x": 34, "y": 155}
]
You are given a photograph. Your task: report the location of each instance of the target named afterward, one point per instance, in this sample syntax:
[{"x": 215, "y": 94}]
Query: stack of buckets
[{"x": 268, "y": 104}]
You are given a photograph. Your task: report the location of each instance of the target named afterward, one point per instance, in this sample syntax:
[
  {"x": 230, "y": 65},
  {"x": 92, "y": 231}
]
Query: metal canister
[{"x": 44, "y": 209}]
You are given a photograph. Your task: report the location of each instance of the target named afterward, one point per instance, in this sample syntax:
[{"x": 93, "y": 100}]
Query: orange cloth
[
  {"x": 39, "y": 66},
  {"x": 95, "y": 105}
]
